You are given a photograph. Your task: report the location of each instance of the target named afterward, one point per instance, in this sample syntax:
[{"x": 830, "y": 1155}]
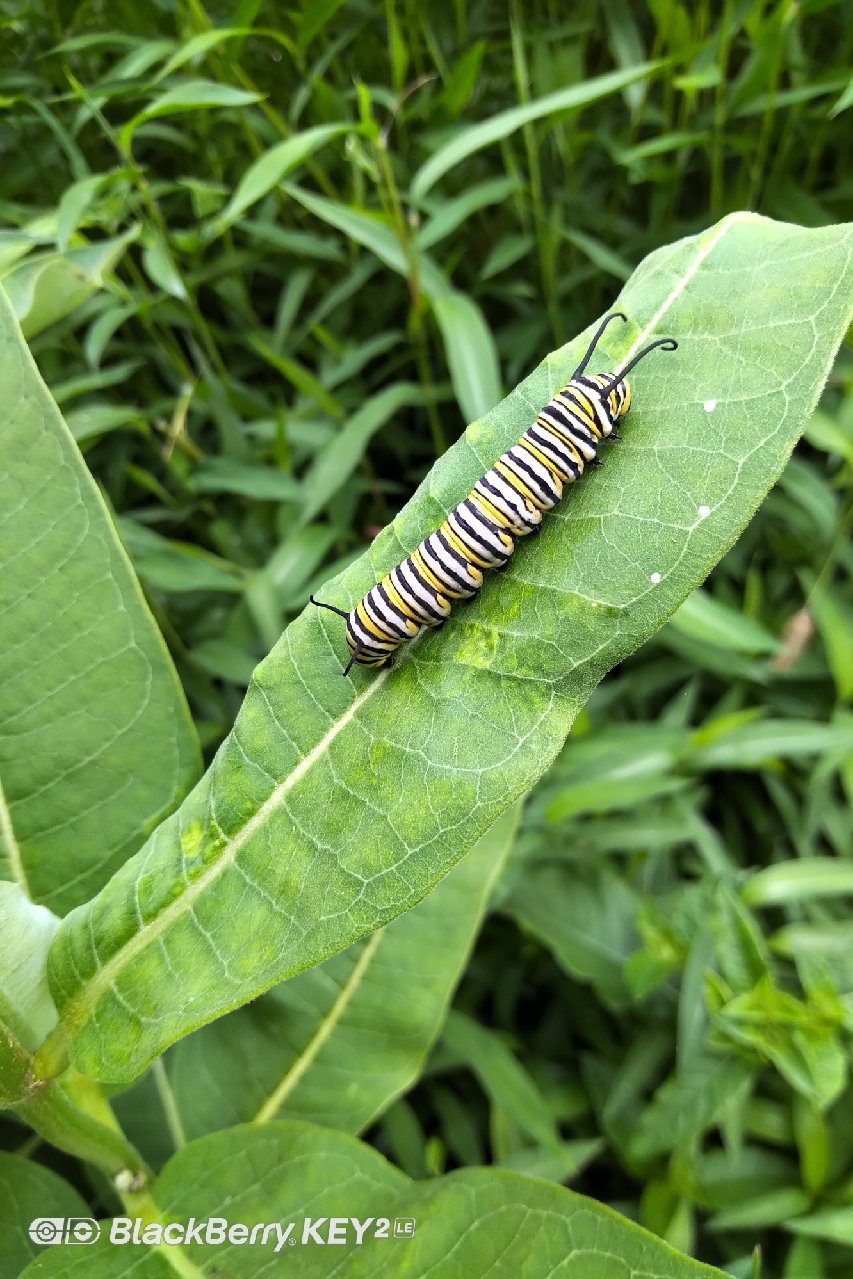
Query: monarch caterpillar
[{"x": 505, "y": 503}]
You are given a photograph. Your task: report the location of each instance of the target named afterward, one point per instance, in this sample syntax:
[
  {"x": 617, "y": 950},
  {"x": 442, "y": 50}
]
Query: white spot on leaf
[
  {"x": 704, "y": 512},
  {"x": 709, "y": 406},
  {"x": 655, "y": 578}
]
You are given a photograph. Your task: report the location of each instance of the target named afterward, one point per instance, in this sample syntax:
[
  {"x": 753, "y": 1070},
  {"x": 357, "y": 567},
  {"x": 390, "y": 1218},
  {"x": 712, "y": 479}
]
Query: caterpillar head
[
  {"x": 617, "y": 390},
  {"x": 614, "y": 390},
  {"x": 626, "y": 398},
  {"x": 619, "y": 399}
]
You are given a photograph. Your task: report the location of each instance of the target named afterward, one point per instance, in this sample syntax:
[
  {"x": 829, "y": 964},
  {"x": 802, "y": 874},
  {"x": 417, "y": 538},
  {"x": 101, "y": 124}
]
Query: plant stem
[{"x": 73, "y": 1114}]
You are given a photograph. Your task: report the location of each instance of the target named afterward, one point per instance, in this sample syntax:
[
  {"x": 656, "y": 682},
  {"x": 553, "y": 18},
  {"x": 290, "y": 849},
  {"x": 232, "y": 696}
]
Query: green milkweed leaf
[
  {"x": 26, "y": 1188},
  {"x": 335, "y": 805},
  {"x": 97, "y": 741},
  {"x": 476, "y": 1222}
]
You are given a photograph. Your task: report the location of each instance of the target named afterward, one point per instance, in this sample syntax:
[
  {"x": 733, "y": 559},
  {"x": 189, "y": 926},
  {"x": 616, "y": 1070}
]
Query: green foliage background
[{"x": 270, "y": 261}]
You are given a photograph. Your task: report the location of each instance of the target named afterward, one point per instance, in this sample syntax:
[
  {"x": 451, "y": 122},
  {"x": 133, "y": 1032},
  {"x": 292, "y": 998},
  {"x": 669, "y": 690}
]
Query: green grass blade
[
  {"x": 194, "y": 95},
  {"x": 471, "y": 354},
  {"x": 270, "y": 168},
  {"x": 502, "y": 125}
]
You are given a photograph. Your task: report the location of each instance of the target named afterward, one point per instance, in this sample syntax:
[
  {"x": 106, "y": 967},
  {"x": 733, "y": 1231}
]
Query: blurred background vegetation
[{"x": 270, "y": 261}]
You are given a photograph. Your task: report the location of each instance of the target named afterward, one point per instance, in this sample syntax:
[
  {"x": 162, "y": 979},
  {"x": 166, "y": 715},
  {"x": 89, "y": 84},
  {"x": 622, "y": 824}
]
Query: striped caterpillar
[{"x": 506, "y": 503}]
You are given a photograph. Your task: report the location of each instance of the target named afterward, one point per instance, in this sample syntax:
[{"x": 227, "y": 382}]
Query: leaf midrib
[
  {"x": 683, "y": 280},
  {"x": 279, "y": 1094}
]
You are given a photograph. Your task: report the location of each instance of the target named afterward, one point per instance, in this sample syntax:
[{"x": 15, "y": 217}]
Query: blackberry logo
[{"x": 50, "y": 1230}]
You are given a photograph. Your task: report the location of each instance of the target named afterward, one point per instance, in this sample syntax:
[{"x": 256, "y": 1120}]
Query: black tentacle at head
[
  {"x": 319, "y": 604},
  {"x": 668, "y": 344},
  {"x": 614, "y": 315}
]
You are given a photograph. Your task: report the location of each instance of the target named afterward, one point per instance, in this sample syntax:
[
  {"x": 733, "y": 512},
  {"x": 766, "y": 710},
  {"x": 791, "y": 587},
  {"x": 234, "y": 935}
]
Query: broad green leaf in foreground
[
  {"x": 336, "y": 804},
  {"x": 376, "y": 1007},
  {"x": 97, "y": 744},
  {"x": 29, "y": 1190},
  {"x": 475, "y": 1223}
]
